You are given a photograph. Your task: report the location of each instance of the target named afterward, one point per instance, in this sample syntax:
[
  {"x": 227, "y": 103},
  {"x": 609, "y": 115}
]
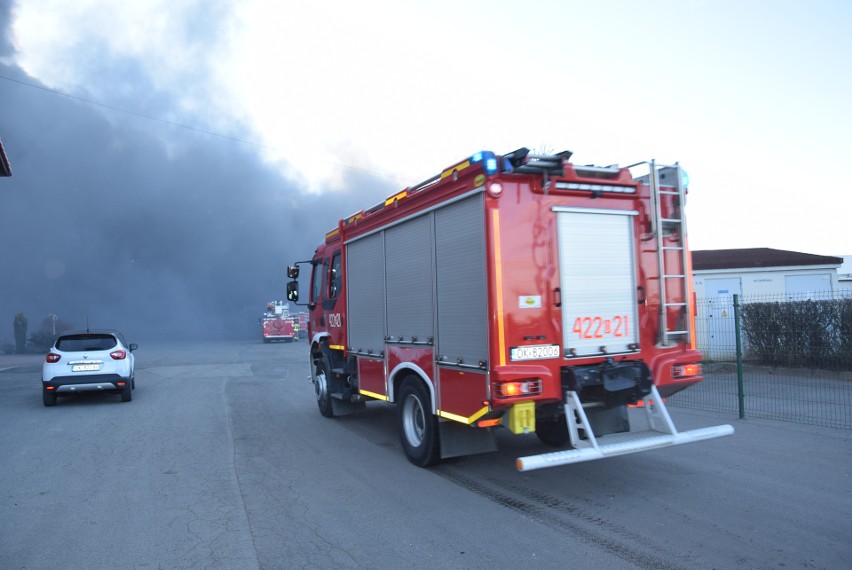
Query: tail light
[
  {"x": 118, "y": 354},
  {"x": 682, "y": 371},
  {"x": 52, "y": 357},
  {"x": 489, "y": 422},
  {"x": 518, "y": 388}
]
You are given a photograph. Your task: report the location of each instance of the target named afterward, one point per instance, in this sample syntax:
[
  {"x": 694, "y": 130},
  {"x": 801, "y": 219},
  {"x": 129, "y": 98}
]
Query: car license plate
[
  {"x": 535, "y": 352},
  {"x": 85, "y": 367}
]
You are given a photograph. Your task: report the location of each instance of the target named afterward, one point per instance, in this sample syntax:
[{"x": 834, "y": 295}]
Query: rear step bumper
[{"x": 660, "y": 433}]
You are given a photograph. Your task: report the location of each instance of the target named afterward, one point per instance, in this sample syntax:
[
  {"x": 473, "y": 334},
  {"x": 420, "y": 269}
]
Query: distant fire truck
[
  {"x": 277, "y": 324},
  {"x": 303, "y": 325},
  {"x": 518, "y": 291}
]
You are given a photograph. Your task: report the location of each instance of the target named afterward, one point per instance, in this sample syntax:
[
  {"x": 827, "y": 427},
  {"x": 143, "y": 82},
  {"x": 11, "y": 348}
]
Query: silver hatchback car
[{"x": 88, "y": 361}]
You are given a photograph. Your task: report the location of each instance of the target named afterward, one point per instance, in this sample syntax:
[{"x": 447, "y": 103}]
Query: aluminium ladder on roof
[{"x": 674, "y": 224}]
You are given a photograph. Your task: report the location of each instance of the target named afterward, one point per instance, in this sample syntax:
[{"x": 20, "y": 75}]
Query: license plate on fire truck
[{"x": 534, "y": 352}]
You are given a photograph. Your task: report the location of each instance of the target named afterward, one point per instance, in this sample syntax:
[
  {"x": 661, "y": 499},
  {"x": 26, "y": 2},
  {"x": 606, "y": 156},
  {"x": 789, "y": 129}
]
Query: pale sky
[{"x": 752, "y": 98}]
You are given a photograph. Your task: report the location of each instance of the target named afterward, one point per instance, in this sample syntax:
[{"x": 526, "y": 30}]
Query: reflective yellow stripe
[
  {"x": 449, "y": 171},
  {"x": 336, "y": 346},
  {"x": 396, "y": 197},
  {"x": 373, "y": 395},
  {"x": 498, "y": 278},
  {"x": 478, "y": 415},
  {"x": 462, "y": 419}
]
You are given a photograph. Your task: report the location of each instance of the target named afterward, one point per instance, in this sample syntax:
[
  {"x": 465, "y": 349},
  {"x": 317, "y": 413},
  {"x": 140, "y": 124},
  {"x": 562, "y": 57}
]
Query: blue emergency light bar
[{"x": 489, "y": 158}]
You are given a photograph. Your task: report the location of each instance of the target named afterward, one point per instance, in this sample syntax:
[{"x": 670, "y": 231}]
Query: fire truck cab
[{"x": 513, "y": 291}]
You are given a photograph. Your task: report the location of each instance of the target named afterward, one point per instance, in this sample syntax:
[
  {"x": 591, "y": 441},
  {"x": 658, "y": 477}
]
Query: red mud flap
[{"x": 661, "y": 433}]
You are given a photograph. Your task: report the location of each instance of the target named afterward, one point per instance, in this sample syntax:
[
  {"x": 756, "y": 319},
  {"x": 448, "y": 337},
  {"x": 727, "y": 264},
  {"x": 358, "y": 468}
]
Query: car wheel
[
  {"x": 133, "y": 383},
  {"x": 126, "y": 393},
  {"x": 321, "y": 386},
  {"x": 49, "y": 398},
  {"x": 418, "y": 427},
  {"x": 552, "y": 431}
]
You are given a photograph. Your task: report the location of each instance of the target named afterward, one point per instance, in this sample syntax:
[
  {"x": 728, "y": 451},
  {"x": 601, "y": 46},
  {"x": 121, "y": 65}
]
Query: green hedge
[{"x": 810, "y": 334}]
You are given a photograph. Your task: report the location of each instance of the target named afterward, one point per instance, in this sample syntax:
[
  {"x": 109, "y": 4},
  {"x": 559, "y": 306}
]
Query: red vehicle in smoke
[{"x": 277, "y": 324}]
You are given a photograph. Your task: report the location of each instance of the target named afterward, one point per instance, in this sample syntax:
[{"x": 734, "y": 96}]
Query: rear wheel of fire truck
[
  {"x": 418, "y": 428},
  {"x": 552, "y": 431},
  {"x": 321, "y": 383}
]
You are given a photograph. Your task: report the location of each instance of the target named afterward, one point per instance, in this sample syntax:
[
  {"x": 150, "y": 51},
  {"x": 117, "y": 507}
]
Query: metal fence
[{"x": 780, "y": 357}]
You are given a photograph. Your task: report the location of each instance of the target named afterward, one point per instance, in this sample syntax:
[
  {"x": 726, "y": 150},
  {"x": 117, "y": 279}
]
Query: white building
[
  {"x": 844, "y": 274},
  {"x": 761, "y": 274}
]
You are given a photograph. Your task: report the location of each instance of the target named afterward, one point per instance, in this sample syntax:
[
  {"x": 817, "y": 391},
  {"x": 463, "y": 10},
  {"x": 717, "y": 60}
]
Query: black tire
[
  {"x": 133, "y": 383},
  {"x": 322, "y": 384},
  {"x": 552, "y": 431},
  {"x": 49, "y": 398},
  {"x": 418, "y": 427},
  {"x": 127, "y": 393}
]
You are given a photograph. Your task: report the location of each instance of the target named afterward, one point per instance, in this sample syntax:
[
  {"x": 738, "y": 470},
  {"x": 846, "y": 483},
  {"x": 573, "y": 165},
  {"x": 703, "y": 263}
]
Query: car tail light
[
  {"x": 118, "y": 354},
  {"x": 52, "y": 357},
  {"x": 682, "y": 371},
  {"x": 519, "y": 388}
]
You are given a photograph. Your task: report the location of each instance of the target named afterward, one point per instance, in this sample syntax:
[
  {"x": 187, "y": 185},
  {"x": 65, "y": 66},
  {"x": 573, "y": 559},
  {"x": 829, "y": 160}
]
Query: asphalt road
[{"x": 222, "y": 460}]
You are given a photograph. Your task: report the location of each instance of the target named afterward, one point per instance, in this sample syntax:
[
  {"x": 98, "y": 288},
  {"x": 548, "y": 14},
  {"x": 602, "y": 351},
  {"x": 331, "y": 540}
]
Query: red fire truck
[
  {"x": 518, "y": 291},
  {"x": 303, "y": 325},
  {"x": 277, "y": 324}
]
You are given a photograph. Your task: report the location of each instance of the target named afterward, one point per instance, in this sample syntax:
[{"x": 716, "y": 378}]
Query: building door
[
  {"x": 808, "y": 287},
  {"x": 721, "y": 342}
]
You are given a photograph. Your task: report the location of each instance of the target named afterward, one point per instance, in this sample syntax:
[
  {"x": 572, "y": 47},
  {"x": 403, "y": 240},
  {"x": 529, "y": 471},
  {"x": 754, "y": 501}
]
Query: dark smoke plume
[{"x": 144, "y": 226}]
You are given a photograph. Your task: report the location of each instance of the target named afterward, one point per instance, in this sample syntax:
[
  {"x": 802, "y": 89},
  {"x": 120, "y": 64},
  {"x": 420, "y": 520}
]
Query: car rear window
[{"x": 84, "y": 342}]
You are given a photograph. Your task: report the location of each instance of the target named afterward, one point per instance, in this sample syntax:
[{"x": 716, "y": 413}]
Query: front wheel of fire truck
[
  {"x": 418, "y": 428},
  {"x": 321, "y": 382}
]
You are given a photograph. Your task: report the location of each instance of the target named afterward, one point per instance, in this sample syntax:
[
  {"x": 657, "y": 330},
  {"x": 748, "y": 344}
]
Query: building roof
[
  {"x": 756, "y": 258},
  {"x": 5, "y": 168}
]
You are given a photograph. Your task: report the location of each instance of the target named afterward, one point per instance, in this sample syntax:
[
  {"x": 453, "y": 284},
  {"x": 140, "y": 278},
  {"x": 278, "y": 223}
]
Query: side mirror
[
  {"x": 132, "y": 346},
  {"x": 293, "y": 289},
  {"x": 292, "y": 273}
]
